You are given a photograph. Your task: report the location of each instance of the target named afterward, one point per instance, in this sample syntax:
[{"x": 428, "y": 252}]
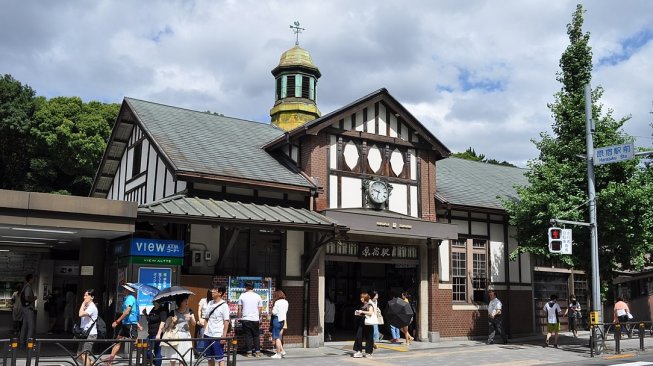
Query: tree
[
  {"x": 70, "y": 137},
  {"x": 558, "y": 178},
  {"x": 470, "y": 154},
  {"x": 17, "y": 107}
]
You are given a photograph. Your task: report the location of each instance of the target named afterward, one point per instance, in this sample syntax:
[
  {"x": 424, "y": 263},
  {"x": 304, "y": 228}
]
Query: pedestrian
[
  {"x": 394, "y": 331},
  {"x": 409, "y": 338},
  {"x": 155, "y": 322},
  {"x": 279, "y": 312},
  {"x": 553, "y": 312},
  {"x": 216, "y": 319},
  {"x": 69, "y": 311},
  {"x": 573, "y": 312},
  {"x": 89, "y": 314},
  {"x": 50, "y": 308},
  {"x": 329, "y": 317},
  {"x": 495, "y": 316},
  {"x": 17, "y": 308},
  {"x": 250, "y": 306},
  {"x": 363, "y": 319},
  {"x": 27, "y": 298},
  {"x": 622, "y": 314},
  {"x": 201, "y": 344},
  {"x": 180, "y": 320},
  {"x": 126, "y": 326},
  {"x": 374, "y": 300}
]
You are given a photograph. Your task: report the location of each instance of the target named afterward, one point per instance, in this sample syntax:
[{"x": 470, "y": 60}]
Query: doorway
[{"x": 346, "y": 280}]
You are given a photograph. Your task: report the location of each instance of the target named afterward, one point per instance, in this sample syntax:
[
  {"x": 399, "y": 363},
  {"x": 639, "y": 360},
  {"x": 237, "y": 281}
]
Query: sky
[{"x": 476, "y": 73}]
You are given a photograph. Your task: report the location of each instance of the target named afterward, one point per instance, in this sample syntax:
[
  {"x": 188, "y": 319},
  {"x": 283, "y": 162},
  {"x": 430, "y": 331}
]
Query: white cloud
[{"x": 217, "y": 55}]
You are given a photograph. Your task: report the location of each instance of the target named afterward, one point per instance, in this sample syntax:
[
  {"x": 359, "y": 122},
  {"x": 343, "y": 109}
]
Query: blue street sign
[
  {"x": 613, "y": 154},
  {"x": 157, "y": 247}
]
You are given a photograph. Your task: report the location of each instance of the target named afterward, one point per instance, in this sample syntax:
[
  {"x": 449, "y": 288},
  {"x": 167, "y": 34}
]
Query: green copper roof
[
  {"x": 205, "y": 143},
  {"x": 470, "y": 183}
]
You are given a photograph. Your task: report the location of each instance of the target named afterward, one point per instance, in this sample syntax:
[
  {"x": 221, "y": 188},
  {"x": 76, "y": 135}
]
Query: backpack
[{"x": 101, "y": 327}]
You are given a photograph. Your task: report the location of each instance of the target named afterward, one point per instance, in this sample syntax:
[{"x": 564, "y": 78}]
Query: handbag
[
  {"x": 371, "y": 319},
  {"x": 379, "y": 317},
  {"x": 170, "y": 335},
  {"x": 81, "y": 333}
]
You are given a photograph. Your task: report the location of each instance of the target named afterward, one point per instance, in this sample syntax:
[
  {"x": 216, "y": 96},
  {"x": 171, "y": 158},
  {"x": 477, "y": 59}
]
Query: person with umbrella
[
  {"x": 399, "y": 314},
  {"x": 180, "y": 320},
  {"x": 126, "y": 326},
  {"x": 365, "y": 317}
]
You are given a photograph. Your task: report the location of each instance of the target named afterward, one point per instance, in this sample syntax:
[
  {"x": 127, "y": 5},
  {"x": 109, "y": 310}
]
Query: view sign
[{"x": 613, "y": 154}]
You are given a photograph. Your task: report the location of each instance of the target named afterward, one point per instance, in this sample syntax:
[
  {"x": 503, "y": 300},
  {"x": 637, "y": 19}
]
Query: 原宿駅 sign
[{"x": 613, "y": 154}]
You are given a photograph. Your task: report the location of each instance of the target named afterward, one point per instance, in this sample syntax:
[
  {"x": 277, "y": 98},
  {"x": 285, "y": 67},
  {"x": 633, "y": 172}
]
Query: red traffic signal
[{"x": 555, "y": 240}]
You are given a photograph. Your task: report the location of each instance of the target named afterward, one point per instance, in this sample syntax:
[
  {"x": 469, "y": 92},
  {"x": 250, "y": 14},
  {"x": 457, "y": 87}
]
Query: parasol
[
  {"x": 398, "y": 313},
  {"x": 170, "y": 293}
]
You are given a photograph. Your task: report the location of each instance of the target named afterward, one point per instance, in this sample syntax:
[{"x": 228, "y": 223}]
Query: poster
[
  {"x": 155, "y": 277},
  {"x": 262, "y": 286}
]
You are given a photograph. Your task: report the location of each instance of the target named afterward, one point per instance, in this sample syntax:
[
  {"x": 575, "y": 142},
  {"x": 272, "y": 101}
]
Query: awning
[
  {"x": 390, "y": 224},
  {"x": 181, "y": 209}
]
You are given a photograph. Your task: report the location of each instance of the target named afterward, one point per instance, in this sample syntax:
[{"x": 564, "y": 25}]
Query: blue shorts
[
  {"x": 214, "y": 348},
  {"x": 277, "y": 326}
]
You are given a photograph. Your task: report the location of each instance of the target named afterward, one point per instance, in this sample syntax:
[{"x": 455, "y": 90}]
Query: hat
[{"x": 128, "y": 288}]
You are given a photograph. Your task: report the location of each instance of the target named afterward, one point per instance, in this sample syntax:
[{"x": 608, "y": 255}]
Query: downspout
[{"x": 506, "y": 255}]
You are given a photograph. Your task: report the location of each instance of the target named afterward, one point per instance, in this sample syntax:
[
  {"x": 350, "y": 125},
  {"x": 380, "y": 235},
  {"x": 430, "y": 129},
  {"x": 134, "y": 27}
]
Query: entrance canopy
[
  {"x": 181, "y": 209},
  {"x": 366, "y": 222},
  {"x": 45, "y": 221}
]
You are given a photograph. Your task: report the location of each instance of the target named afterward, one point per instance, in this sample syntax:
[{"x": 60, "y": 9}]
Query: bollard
[
  {"x": 617, "y": 338},
  {"x": 14, "y": 350},
  {"x": 30, "y": 349},
  {"x": 234, "y": 350},
  {"x": 641, "y": 336}
]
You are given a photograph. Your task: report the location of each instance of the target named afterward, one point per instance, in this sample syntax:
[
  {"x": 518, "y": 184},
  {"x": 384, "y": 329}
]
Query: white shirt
[
  {"x": 552, "y": 312},
  {"x": 87, "y": 320},
  {"x": 251, "y": 302},
  {"x": 280, "y": 309},
  {"x": 493, "y": 306},
  {"x": 215, "y": 324}
]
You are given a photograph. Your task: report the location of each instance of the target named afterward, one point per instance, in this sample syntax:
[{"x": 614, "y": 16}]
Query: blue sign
[
  {"x": 613, "y": 154},
  {"x": 155, "y": 277},
  {"x": 157, "y": 247}
]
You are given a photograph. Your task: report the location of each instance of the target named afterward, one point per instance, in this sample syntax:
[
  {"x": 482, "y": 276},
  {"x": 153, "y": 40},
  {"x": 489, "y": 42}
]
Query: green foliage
[
  {"x": 62, "y": 143},
  {"x": 470, "y": 154},
  {"x": 558, "y": 178},
  {"x": 17, "y": 106}
]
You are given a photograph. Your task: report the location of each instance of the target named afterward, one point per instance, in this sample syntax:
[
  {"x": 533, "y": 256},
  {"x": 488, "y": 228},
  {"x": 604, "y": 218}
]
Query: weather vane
[{"x": 296, "y": 29}]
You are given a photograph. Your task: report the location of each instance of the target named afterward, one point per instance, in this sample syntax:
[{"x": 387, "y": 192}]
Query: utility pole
[{"x": 596, "y": 283}]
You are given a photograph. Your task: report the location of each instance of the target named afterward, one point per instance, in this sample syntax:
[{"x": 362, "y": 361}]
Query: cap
[{"x": 129, "y": 288}]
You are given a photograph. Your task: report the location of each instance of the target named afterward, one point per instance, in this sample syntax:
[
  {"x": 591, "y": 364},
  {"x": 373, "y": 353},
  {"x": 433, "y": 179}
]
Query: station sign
[
  {"x": 613, "y": 154},
  {"x": 373, "y": 251},
  {"x": 156, "y": 247}
]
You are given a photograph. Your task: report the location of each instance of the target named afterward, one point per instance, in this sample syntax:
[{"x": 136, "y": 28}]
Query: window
[
  {"x": 469, "y": 270},
  {"x": 278, "y": 96},
  {"x": 306, "y": 87},
  {"x": 290, "y": 86},
  {"x": 136, "y": 161}
]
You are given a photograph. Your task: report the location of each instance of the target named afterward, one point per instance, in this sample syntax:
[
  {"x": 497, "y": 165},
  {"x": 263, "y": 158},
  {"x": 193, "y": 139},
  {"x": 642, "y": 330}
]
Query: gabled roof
[
  {"x": 236, "y": 213},
  {"x": 470, "y": 183},
  {"x": 313, "y": 127},
  {"x": 202, "y": 144}
]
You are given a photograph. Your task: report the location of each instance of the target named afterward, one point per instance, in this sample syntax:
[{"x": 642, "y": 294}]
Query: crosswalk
[{"x": 636, "y": 363}]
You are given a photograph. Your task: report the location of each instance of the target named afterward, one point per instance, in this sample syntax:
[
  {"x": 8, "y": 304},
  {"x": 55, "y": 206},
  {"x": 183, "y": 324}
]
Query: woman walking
[
  {"x": 180, "y": 320},
  {"x": 88, "y": 314},
  {"x": 573, "y": 311},
  {"x": 409, "y": 338},
  {"x": 279, "y": 311},
  {"x": 374, "y": 300},
  {"x": 155, "y": 323},
  {"x": 364, "y": 320}
]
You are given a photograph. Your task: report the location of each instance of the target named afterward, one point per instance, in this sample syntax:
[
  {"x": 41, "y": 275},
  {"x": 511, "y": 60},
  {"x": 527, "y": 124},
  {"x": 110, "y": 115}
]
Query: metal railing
[
  {"x": 8, "y": 349},
  {"x": 600, "y": 335},
  {"x": 139, "y": 352}
]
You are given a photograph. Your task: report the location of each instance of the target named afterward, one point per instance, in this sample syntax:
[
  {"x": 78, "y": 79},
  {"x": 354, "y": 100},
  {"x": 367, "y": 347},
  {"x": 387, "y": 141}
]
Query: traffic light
[{"x": 555, "y": 240}]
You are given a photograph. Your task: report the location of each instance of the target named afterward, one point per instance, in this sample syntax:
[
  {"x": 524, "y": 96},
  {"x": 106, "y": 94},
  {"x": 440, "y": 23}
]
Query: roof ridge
[
  {"x": 196, "y": 111},
  {"x": 485, "y": 163}
]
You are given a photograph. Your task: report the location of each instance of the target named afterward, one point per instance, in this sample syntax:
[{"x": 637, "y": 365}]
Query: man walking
[
  {"x": 27, "y": 298},
  {"x": 494, "y": 318},
  {"x": 250, "y": 306},
  {"x": 216, "y": 317},
  {"x": 126, "y": 326},
  {"x": 552, "y": 309}
]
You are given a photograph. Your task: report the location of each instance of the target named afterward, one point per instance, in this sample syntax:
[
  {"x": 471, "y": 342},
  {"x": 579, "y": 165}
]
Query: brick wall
[
  {"x": 314, "y": 327},
  {"x": 295, "y": 316},
  {"x": 314, "y": 162},
  {"x": 426, "y": 160}
]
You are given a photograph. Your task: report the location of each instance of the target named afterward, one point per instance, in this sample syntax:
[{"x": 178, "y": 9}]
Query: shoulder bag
[
  {"x": 372, "y": 319},
  {"x": 170, "y": 335}
]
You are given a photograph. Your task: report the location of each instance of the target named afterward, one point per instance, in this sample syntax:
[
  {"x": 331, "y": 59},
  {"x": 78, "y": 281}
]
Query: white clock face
[{"x": 378, "y": 192}]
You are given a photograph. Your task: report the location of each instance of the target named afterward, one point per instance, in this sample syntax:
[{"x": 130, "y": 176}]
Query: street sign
[
  {"x": 613, "y": 154},
  {"x": 566, "y": 241}
]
